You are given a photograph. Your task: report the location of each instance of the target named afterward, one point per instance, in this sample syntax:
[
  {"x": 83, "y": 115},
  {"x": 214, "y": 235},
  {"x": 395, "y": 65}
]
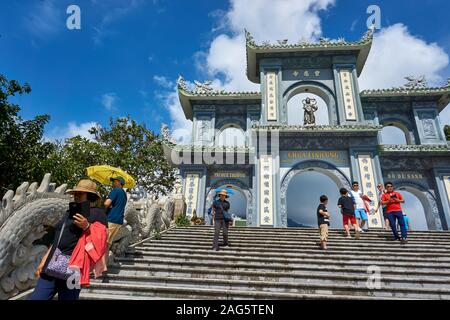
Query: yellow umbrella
[{"x": 104, "y": 173}]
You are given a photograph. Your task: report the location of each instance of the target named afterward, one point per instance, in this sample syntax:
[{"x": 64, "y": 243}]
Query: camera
[{"x": 82, "y": 208}]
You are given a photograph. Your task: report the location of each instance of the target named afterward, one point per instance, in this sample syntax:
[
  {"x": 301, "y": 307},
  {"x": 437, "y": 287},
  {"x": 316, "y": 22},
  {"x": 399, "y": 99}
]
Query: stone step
[
  {"x": 337, "y": 237},
  {"x": 300, "y": 230},
  {"x": 89, "y": 295},
  {"x": 305, "y": 287},
  {"x": 179, "y": 292},
  {"x": 311, "y": 232},
  {"x": 278, "y": 263},
  {"x": 299, "y": 277},
  {"x": 393, "y": 248},
  {"x": 296, "y": 245},
  {"x": 238, "y": 262},
  {"x": 158, "y": 246},
  {"x": 230, "y": 270},
  {"x": 258, "y": 256}
]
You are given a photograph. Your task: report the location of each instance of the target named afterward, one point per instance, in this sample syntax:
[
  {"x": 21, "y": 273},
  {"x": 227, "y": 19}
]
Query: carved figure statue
[{"x": 310, "y": 106}]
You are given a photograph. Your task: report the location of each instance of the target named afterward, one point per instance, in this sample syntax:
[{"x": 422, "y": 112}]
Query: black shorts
[{"x": 385, "y": 214}]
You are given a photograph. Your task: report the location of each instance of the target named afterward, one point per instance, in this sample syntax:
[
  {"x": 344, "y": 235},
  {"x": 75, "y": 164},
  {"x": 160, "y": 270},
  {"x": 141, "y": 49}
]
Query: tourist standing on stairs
[
  {"x": 220, "y": 208},
  {"x": 347, "y": 207},
  {"x": 381, "y": 191},
  {"x": 115, "y": 208},
  {"x": 79, "y": 244},
  {"x": 323, "y": 220},
  {"x": 393, "y": 199},
  {"x": 361, "y": 206}
]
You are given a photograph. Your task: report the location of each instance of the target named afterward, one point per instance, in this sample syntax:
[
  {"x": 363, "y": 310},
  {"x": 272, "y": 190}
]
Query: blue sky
[{"x": 128, "y": 54}]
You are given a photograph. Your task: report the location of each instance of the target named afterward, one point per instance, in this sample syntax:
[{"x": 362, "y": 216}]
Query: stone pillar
[
  {"x": 191, "y": 193},
  {"x": 265, "y": 188},
  {"x": 366, "y": 169}
]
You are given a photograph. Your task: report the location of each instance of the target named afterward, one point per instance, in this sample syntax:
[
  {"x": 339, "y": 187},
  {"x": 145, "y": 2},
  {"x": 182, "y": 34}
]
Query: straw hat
[
  {"x": 224, "y": 192},
  {"x": 85, "y": 185}
]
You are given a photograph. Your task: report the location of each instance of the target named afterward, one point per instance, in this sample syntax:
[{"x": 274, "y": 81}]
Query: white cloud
[
  {"x": 163, "y": 82},
  {"x": 114, "y": 11},
  {"x": 71, "y": 130},
  {"x": 45, "y": 19},
  {"x": 266, "y": 20},
  {"x": 181, "y": 127},
  {"x": 396, "y": 53},
  {"x": 445, "y": 116},
  {"x": 109, "y": 101}
]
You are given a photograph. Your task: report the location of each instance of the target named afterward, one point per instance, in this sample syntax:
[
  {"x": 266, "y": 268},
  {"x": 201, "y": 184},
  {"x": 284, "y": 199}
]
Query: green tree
[
  {"x": 69, "y": 160},
  {"x": 138, "y": 151},
  {"x": 21, "y": 144},
  {"x": 447, "y": 132}
]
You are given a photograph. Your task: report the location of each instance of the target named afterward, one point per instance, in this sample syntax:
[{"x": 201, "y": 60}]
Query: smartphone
[{"x": 83, "y": 208}]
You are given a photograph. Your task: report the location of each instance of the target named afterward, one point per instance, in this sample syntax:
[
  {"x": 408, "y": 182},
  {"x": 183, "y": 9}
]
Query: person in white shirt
[{"x": 360, "y": 206}]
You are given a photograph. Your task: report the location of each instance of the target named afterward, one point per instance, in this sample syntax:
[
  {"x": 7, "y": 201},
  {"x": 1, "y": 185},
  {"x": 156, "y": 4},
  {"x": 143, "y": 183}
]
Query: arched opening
[
  {"x": 415, "y": 211},
  {"x": 238, "y": 201},
  {"x": 295, "y": 111},
  {"x": 292, "y": 101},
  {"x": 303, "y": 194},
  {"x": 418, "y": 208},
  {"x": 231, "y": 136},
  {"x": 394, "y": 134}
]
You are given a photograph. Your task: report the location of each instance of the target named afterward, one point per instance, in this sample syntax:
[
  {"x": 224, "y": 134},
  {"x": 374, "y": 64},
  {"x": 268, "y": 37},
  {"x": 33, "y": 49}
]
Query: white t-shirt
[{"x": 359, "y": 202}]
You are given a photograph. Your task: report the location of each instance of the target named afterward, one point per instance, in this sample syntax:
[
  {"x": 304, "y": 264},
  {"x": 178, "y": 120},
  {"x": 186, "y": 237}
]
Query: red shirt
[{"x": 392, "y": 206}]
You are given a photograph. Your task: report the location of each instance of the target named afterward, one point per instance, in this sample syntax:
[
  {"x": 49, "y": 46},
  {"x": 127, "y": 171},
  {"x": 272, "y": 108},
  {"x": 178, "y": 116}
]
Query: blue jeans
[
  {"x": 47, "y": 287},
  {"x": 393, "y": 217}
]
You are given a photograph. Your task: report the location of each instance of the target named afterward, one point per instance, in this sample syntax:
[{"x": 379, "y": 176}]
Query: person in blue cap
[{"x": 115, "y": 208}]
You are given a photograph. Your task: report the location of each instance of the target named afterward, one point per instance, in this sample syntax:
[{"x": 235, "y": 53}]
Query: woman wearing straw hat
[
  {"x": 220, "y": 206},
  {"x": 79, "y": 243}
]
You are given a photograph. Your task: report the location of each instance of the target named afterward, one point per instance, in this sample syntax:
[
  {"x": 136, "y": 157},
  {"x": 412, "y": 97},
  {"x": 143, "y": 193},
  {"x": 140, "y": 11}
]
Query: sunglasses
[{"x": 389, "y": 186}]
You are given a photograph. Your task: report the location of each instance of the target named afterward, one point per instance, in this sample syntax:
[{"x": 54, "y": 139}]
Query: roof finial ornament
[
  {"x": 302, "y": 41},
  {"x": 368, "y": 35},
  {"x": 203, "y": 87},
  {"x": 282, "y": 42},
  {"x": 165, "y": 132},
  {"x": 447, "y": 85},
  {"x": 249, "y": 37},
  {"x": 415, "y": 82},
  {"x": 181, "y": 83}
]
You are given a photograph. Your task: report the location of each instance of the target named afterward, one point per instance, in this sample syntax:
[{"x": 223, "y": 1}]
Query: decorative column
[
  {"x": 191, "y": 193},
  {"x": 348, "y": 94},
  {"x": 271, "y": 96},
  {"x": 368, "y": 184},
  {"x": 266, "y": 190}
]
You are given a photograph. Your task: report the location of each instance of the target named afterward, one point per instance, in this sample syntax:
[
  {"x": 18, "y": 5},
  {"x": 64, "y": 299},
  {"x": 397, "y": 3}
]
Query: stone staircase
[{"x": 275, "y": 263}]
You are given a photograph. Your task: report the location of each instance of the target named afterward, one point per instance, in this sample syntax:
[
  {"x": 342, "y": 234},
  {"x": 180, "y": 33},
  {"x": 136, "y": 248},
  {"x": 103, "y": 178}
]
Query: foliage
[
  {"x": 21, "y": 144},
  {"x": 137, "y": 150},
  {"x": 182, "y": 221},
  {"x": 27, "y": 157},
  {"x": 447, "y": 132}
]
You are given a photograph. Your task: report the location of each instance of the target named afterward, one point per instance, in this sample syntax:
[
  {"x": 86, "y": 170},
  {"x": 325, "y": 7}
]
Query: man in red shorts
[{"x": 347, "y": 206}]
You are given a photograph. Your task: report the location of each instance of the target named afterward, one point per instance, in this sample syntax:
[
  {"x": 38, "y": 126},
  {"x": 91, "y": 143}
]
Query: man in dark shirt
[
  {"x": 323, "y": 220},
  {"x": 115, "y": 208},
  {"x": 347, "y": 207},
  {"x": 219, "y": 206}
]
